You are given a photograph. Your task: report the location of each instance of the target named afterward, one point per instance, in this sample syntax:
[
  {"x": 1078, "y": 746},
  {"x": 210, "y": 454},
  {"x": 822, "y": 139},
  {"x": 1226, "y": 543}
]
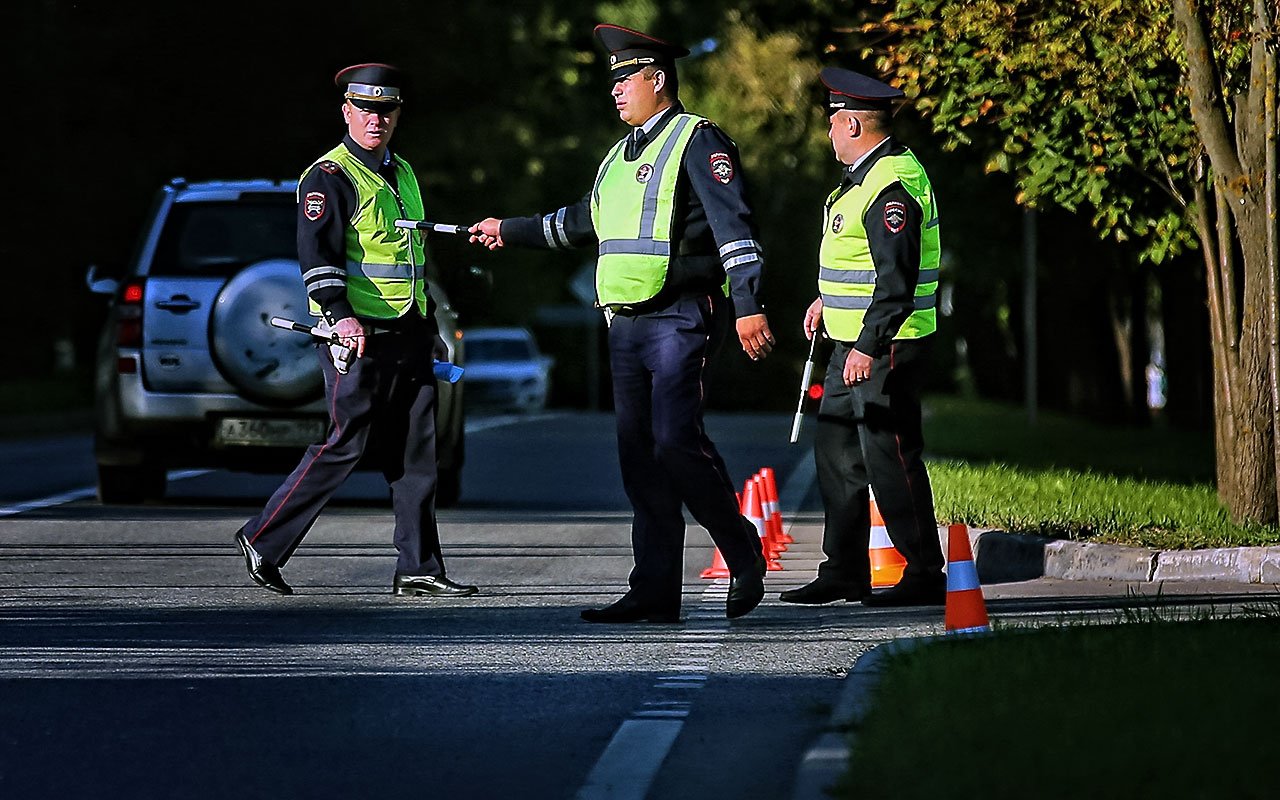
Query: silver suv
[{"x": 189, "y": 371}]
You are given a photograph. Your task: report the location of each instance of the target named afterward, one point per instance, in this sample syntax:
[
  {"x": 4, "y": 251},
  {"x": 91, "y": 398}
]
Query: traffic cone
[
  {"x": 718, "y": 568},
  {"x": 773, "y": 508},
  {"x": 753, "y": 510},
  {"x": 966, "y": 610},
  {"x": 887, "y": 564}
]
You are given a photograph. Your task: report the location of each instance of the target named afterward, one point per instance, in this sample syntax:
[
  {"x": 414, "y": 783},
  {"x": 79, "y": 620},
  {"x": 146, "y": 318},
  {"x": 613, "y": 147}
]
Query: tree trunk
[{"x": 1240, "y": 312}]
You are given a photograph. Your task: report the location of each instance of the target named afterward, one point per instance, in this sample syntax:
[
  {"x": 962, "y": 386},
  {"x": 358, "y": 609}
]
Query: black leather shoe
[
  {"x": 265, "y": 575},
  {"x": 910, "y": 592},
  {"x": 434, "y": 585},
  {"x": 629, "y": 609},
  {"x": 820, "y": 591},
  {"x": 746, "y": 591}
]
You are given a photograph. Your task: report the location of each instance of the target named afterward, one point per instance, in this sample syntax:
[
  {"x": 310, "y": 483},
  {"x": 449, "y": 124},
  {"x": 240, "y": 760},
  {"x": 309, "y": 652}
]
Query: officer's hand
[
  {"x": 351, "y": 333},
  {"x": 487, "y": 232},
  {"x": 439, "y": 350},
  {"x": 813, "y": 319},
  {"x": 857, "y": 368},
  {"x": 755, "y": 336}
]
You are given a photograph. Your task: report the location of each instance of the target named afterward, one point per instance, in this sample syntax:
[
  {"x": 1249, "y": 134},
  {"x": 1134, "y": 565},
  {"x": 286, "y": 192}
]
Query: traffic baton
[
  {"x": 420, "y": 225},
  {"x": 444, "y": 370},
  {"x": 804, "y": 388}
]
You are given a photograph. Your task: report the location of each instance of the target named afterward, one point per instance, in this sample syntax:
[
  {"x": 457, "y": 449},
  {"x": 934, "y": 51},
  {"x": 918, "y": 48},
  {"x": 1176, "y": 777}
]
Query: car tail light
[
  {"x": 127, "y": 365},
  {"x": 815, "y": 392},
  {"x": 129, "y": 315}
]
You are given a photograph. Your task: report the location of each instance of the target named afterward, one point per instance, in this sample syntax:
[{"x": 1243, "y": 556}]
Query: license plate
[{"x": 269, "y": 432}]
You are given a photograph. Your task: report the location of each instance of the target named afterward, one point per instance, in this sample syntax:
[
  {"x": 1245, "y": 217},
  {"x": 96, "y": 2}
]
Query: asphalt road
[{"x": 137, "y": 660}]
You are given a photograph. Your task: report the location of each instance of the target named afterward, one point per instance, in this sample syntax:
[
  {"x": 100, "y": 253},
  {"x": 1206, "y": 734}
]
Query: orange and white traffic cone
[
  {"x": 753, "y": 510},
  {"x": 966, "y": 610},
  {"x": 773, "y": 509},
  {"x": 718, "y": 568},
  {"x": 887, "y": 564}
]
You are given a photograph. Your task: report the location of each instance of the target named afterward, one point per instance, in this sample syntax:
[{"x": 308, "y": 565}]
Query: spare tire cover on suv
[{"x": 264, "y": 363}]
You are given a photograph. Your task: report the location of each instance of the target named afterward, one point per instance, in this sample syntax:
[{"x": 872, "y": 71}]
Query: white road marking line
[
  {"x": 630, "y": 762},
  {"x": 471, "y": 426},
  {"x": 81, "y": 494}
]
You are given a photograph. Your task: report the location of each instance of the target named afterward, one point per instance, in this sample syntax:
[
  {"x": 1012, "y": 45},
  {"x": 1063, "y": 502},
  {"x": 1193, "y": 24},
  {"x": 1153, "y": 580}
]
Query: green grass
[
  {"x": 1066, "y": 478},
  {"x": 43, "y": 395},
  {"x": 983, "y": 432},
  {"x": 1169, "y": 710}
]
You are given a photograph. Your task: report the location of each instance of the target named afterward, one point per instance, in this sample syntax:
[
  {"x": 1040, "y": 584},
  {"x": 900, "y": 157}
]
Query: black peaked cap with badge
[
  {"x": 372, "y": 87},
  {"x": 853, "y": 91},
  {"x": 631, "y": 51}
]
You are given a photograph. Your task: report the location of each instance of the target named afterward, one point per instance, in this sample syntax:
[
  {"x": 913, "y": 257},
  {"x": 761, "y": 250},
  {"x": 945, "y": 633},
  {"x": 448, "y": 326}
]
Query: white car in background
[{"x": 505, "y": 370}]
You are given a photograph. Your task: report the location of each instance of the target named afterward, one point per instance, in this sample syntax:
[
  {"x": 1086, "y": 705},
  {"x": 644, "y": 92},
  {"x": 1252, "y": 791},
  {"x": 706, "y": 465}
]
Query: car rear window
[
  {"x": 221, "y": 238},
  {"x": 498, "y": 350}
]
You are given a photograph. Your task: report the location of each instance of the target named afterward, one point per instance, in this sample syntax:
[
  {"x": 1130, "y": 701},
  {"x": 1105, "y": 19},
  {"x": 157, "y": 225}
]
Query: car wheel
[
  {"x": 448, "y": 488},
  {"x": 264, "y": 363},
  {"x": 130, "y": 484}
]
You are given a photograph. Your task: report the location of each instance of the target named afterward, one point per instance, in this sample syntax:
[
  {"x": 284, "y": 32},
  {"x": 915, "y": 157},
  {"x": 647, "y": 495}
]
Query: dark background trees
[{"x": 509, "y": 114}]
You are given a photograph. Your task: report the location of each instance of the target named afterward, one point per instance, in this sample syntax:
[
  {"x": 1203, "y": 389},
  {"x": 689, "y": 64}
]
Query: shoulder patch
[
  {"x": 313, "y": 205},
  {"x": 330, "y": 167},
  {"x": 721, "y": 167},
  {"x": 895, "y": 216}
]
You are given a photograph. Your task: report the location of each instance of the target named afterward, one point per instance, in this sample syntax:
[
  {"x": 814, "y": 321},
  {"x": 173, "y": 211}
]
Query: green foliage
[{"x": 1081, "y": 100}]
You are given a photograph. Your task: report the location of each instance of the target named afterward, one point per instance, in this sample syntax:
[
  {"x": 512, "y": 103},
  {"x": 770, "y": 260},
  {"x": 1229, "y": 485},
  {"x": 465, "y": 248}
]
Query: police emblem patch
[
  {"x": 837, "y": 223},
  {"x": 313, "y": 205},
  {"x": 895, "y": 216},
  {"x": 644, "y": 173},
  {"x": 722, "y": 167}
]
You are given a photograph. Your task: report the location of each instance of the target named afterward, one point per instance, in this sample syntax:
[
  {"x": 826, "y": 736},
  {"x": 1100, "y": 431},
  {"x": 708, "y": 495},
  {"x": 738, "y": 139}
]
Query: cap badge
[
  {"x": 838, "y": 223},
  {"x": 644, "y": 173},
  {"x": 613, "y": 59},
  {"x": 895, "y": 216},
  {"x": 722, "y": 167}
]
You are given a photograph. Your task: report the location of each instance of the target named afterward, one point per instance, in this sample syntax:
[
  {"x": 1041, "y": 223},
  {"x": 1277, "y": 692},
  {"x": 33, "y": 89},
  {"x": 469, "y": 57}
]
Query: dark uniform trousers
[
  {"x": 870, "y": 434},
  {"x": 659, "y": 362},
  {"x": 390, "y": 393}
]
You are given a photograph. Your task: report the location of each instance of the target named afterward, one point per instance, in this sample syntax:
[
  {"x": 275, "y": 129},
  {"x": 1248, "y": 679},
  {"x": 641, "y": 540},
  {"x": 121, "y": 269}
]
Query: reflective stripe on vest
[
  {"x": 632, "y": 210},
  {"x": 385, "y": 264},
  {"x": 847, "y": 275}
]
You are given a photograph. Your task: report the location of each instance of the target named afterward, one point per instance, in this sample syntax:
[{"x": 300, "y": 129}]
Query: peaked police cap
[
  {"x": 853, "y": 91},
  {"x": 373, "y": 87},
  {"x": 631, "y": 51}
]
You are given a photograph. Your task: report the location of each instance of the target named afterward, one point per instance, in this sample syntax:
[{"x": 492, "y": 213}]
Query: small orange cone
[
  {"x": 753, "y": 510},
  {"x": 966, "y": 610},
  {"x": 773, "y": 508},
  {"x": 887, "y": 564},
  {"x": 718, "y": 568}
]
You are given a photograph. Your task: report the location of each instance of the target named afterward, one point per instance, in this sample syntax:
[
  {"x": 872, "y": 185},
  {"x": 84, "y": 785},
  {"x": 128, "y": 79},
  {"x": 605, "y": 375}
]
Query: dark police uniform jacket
[
  {"x": 322, "y": 241},
  {"x": 713, "y": 231}
]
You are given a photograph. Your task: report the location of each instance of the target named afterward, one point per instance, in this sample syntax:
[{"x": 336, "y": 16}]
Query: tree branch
[{"x": 1208, "y": 108}]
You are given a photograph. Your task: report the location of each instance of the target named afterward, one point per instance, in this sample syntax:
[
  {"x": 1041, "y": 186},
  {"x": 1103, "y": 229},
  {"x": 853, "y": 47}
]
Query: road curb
[
  {"x": 826, "y": 759},
  {"x": 1006, "y": 557}
]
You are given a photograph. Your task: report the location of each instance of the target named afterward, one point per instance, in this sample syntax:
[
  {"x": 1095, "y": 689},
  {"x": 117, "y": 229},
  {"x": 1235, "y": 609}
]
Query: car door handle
[{"x": 178, "y": 304}]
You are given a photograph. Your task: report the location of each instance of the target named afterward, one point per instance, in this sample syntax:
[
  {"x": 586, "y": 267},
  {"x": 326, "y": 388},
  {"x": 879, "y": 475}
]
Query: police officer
[
  {"x": 678, "y": 265},
  {"x": 364, "y": 277},
  {"x": 878, "y": 283}
]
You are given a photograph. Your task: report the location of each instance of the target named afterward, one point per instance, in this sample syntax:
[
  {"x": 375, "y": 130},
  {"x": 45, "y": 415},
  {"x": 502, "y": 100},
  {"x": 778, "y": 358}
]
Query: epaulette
[{"x": 330, "y": 167}]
